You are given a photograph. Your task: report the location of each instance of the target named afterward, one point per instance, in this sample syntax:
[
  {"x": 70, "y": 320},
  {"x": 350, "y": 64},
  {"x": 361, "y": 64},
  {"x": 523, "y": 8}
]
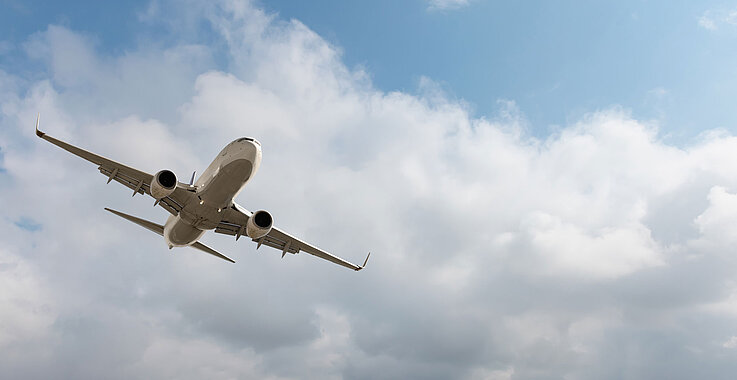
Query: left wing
[
  {"x": 134, "y": 179},
  {"x": 234, "y": 223}
]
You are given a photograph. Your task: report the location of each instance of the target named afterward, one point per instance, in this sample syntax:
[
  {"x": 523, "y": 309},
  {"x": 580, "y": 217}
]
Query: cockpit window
[{"x": 248, "y": 139}]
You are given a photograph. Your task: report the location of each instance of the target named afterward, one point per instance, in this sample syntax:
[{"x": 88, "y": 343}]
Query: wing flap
[
  {"x": 97, "y": 159},
  {"x": 140, "y": 186},
  {"x": 286, "y": 246},
  {"x": 292, "y": 243},
  {"x": 227, "y": 228}
]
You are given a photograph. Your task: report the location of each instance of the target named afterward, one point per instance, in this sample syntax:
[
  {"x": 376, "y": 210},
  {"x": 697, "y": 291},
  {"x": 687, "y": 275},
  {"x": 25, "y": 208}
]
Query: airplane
[{"x": 206, "y": 204}]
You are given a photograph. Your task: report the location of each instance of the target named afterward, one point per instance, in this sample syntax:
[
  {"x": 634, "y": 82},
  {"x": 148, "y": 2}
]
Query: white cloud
[
  {"x": 718, "y": 223},
  {"x": 495, "y": 254},
  {"x": 730, "y": 343},
  {"x": 706, "y": 22},
  {"x": 610, "y": 253},
  {"x": 27, "y": 310},
  {"x": 715, "y": 19},
  {"x": 446, "y": 4}
]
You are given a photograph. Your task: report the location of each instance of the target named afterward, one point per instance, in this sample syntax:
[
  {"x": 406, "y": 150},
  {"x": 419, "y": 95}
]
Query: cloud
[
  {"x": 434, "y": 5},
  {"x": 715, "y": 19},
  {"x": 706, "y": 22},
  {"x": 596, "y": 251},
  {"x": 730, "y": 343}
]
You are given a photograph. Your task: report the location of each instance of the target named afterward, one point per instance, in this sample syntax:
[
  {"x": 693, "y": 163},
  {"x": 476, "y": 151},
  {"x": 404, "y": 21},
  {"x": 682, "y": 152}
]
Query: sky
[{"x": 545, "y": 188}]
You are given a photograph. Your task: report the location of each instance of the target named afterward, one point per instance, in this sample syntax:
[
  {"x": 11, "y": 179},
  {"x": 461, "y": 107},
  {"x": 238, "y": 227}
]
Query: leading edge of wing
[{"x": 89, "y": 156}]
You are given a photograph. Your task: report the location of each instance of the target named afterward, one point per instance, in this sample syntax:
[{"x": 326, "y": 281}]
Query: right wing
[
  {"x": 134, "y": 179},
  {"x": 234, "y": 223}
]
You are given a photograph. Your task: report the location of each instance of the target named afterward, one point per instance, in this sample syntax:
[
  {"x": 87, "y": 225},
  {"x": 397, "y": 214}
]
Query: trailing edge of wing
[{"x": 159, "y": 229}]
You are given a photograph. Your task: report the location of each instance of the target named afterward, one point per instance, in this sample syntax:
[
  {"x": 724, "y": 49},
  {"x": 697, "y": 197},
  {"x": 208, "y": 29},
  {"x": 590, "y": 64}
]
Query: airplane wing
[
  {"x": 134, "y": 179},
  {"x": 234, "y": 223}
]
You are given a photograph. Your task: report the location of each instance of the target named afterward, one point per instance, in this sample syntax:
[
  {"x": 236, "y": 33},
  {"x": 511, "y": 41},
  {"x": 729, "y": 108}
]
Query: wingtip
[
  {"x": 38, "y": 132},
  {"x": 364, "y": 262}
]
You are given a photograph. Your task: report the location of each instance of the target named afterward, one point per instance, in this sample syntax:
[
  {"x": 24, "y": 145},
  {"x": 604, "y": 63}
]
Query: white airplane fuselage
[{"x": 222, "y": 181}]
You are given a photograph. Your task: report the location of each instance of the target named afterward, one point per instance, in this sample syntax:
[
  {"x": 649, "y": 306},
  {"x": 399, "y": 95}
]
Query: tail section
[{"x": 159, "y": 229}]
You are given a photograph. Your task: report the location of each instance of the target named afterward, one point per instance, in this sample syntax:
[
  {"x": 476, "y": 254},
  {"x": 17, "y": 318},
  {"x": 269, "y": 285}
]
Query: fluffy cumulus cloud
[{"x": 600, "y": 251}]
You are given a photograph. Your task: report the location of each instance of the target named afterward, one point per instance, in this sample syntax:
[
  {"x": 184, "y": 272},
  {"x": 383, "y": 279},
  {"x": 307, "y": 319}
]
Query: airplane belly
[
  {"x": 227, "y": 183},
  {"x": 203, "y": 216},
  {"x": 179, "y": 233}
]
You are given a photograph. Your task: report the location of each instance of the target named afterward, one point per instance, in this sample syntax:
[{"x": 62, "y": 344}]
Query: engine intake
[
  {"x": 259, "y": 224},
  {"x": 163, "y": 184}
]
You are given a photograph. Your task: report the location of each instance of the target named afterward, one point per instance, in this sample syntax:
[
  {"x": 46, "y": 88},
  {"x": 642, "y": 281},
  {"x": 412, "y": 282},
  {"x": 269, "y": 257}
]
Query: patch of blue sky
[
  {"x": 115, "y": 24},
  {"x": 28, "y": 224},
  {"x": 555, "y": 60},
  {"x": 114, "y": 27}
]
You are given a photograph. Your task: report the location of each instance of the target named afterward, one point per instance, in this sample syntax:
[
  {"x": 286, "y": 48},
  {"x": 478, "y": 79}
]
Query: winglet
[
  {"x": 38, "y": 119},
  {"x": 364, "y": 262}
]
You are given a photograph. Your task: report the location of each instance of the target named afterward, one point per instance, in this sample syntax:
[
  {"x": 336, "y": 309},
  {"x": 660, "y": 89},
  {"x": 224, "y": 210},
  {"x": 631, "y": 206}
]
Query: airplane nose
[
  {"x": 256, "y": 145},
  {"x": 249, "y": 140}
]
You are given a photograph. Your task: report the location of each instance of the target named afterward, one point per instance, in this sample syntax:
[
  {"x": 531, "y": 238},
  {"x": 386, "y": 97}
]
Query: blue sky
[
  {"x": 557, "y": 60},
  {"x": 545, "y": 188}
]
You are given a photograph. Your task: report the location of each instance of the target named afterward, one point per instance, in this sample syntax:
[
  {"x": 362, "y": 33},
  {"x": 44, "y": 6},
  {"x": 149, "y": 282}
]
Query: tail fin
[{"x": 159, "y": 229}]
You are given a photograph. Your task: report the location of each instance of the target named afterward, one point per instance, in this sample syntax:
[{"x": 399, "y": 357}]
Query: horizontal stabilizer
[
  {"x": 211, "y": 251},
  {"x": 151, "y": 226},
  {"x": 159, "y": 229}
]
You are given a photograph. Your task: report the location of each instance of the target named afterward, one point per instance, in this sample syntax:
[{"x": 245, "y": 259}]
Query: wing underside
[
  {"x": 141, "y": 186},
  {"x": 234, "y": 224},
  {"x": 136, "y": 180}
]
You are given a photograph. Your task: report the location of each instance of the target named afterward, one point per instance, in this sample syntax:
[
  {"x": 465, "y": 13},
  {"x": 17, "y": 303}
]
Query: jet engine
[
  {"x": 259, "y": 224},
  {"x": 163, "y": 184}
]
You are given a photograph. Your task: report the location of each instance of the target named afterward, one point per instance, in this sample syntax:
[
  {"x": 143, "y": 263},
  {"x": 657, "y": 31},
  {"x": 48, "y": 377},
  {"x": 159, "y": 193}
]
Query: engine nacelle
[
  {"x": 163, "y": 184},
  {"x": 259, "y": 224}
]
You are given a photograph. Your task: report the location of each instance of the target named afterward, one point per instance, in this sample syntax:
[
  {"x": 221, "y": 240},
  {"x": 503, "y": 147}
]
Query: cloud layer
[{"x": 600, "y": 251}]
